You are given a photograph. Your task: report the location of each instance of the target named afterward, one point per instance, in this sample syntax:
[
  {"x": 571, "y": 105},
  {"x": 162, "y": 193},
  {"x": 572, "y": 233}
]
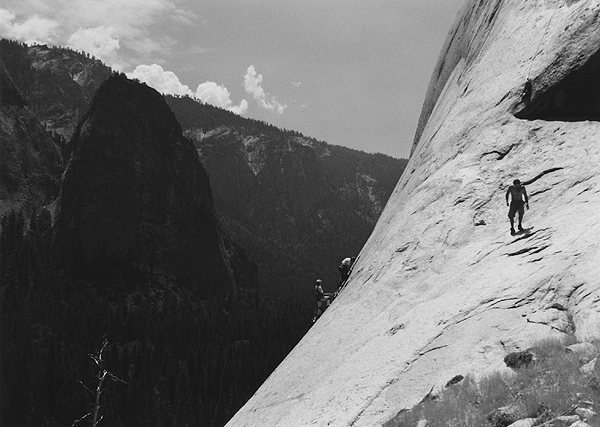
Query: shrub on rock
[
  {"x": 519, "y": 359},
  {"x": 503, "y": 417}
]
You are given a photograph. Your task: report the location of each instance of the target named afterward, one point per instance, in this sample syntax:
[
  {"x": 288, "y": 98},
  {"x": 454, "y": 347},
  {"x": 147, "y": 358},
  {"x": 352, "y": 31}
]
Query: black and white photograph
[{"x": 296, "y": 213}]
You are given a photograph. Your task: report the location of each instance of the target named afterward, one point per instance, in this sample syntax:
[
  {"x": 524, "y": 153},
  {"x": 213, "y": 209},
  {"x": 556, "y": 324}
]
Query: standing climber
[
  {"x": 322, "y": 300},
  {"x": 518, "y": 203}
]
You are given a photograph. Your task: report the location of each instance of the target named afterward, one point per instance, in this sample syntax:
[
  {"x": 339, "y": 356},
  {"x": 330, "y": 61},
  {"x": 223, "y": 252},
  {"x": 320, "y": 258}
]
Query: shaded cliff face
[
  {"x": 298, "y": 205},
  {"x": 57, "y": 83},
  {"x": 135, "y": 200},
  {"x": 441, "y": 288},
  {"x": 30, "y": 161}
]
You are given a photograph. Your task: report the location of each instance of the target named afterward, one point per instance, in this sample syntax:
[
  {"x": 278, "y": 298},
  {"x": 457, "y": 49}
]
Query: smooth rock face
[
  {"x": 135, "y": 200},
  {"x": 588, "y": 368},
  {"x": 467, "y": 295},
  {"x": 585, "y": 350},
  {"x": 525, "y": 422}
]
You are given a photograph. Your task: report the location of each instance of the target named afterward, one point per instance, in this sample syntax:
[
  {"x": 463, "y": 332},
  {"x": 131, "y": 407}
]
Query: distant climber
[
  {"x": 345, "y": 268},
  {"x": 518, "y": 203},
  {"x": 322, "y": 300}
]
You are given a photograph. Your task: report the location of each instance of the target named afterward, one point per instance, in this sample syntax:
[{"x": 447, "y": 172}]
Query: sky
[{"x": 348, "y": 72}]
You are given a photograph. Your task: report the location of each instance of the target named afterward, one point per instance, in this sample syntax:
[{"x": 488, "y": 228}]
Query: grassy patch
[{"x": 551, "y": 386}]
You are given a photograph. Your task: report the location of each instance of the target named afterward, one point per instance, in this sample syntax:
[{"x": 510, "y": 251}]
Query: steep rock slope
[
  {"x": 298, "y": 205},
  {"x": 135, "y": 200},
  {"x": 30, "y": 161},
  {"x": 433, "y": 293},
  {"x": 58, "y": 83}
]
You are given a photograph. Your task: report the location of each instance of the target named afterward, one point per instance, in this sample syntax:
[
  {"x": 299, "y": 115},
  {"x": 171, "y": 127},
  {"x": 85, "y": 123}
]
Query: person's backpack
[{"x": 344, "y": 272}]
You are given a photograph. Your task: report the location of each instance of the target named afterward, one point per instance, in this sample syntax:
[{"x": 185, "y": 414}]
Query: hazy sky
[{"x": 350, "y": 72}]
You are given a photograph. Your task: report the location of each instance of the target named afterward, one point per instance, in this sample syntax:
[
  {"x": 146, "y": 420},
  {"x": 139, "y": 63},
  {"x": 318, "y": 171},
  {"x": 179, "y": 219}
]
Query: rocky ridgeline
[
  {"x": 441, "y": 287},
  {"x": 57, "y": 83}
]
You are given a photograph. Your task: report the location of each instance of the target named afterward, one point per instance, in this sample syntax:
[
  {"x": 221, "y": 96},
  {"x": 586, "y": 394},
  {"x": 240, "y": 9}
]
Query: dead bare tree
[{"x": 102, "y": 376}]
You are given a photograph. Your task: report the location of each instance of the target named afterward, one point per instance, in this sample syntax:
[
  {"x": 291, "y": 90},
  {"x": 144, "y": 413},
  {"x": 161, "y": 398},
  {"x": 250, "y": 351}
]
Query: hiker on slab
[{"x": 518, "y": 203}]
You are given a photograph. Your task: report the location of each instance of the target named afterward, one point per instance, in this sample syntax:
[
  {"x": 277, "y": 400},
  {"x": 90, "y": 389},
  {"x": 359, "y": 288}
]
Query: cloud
[
  {"x": 167, "y": 82},
  {"x": 33, "y": 30},
  {"x": 163, "y": 81},
  {"x": 130, "y": 23},
  {"x": 253, "y": 86},
  {"x": 98, "y": 41},
  {"x": 129, "y": 17},
  {"x": 139, "y": 27},
  {"x": 187, "y": 17},
  {"x": 6, "y": 23},
  {"x": 241, "y": 109},
  {"x": 219, "y": 96}
]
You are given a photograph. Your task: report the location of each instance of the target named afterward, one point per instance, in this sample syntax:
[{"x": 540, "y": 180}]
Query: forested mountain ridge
[
  {"x": 299, "y": 205},
  {"x": 30, "y": 160},
  {"x": 58, "y": 83}
]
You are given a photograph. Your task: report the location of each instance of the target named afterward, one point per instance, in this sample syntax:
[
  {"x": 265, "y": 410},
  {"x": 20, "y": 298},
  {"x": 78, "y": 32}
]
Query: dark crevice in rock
[
  {"x": 525, "y": 236},
  {"x": 575, "y": 289},
  {"x": 532, "y": 180},
  {"x": 502, "y": 99},
  {"x": 432, "y": 349},
  {"x": 394, "y": 329},
  {"x": 558, "y": 306},
  {"x": 563, "y": 330},
  {"x": 504, "y": 154},
  {"x": 501, "y": 154},
  {"x": 403, "y": 248},
  {"x": 494, "y": 13},
  {"x": 535, "y": 193},
  {"x": 522, "y": 251},
  {"x": 576, "y": 97},
  {"x": 539, "y": 250},
  {"x": 429, "y": 396}
]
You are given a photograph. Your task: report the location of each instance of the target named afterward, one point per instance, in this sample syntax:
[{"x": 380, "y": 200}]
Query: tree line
[{"x": 183, "y": 360}]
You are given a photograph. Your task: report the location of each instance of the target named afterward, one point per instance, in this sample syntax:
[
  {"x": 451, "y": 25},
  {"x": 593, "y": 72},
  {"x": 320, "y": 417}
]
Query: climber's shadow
[{"x": 525, "y": 232}]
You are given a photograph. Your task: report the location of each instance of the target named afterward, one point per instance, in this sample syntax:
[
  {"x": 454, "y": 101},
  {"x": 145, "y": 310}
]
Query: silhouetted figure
[
  {"x": 322, "y": 300},
  {"x": 518, "y": 203}
]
